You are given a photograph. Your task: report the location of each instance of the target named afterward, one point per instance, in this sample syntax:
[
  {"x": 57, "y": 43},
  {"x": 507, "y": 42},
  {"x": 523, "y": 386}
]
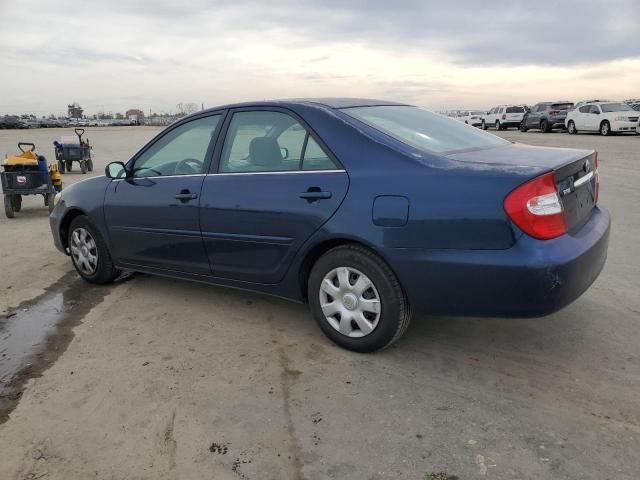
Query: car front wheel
[
  {"x": 572, "y": 128},
  {"x": 357, "y": 300},
  {"x": 605, "y": 129},
  {"x": 89, "y": 252}
]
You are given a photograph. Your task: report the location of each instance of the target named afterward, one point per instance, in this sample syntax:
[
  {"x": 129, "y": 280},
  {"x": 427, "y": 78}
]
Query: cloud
[{"x": 155, "y": 53}]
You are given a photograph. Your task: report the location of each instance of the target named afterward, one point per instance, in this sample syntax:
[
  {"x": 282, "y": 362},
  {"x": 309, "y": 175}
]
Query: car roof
[{"x": 331, "y": 102}]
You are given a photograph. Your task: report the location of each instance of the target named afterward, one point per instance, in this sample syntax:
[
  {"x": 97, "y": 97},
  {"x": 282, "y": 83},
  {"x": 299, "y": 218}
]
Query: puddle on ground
[{"x": 35, "y": 333}]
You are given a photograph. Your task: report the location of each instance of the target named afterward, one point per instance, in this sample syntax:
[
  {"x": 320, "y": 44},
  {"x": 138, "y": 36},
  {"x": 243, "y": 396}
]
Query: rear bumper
[{"x": 533, "y": 278}]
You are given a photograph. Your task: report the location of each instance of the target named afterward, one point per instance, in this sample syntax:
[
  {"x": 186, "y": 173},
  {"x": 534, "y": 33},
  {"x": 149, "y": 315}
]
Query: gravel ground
[{"x": 166, "y": 379}]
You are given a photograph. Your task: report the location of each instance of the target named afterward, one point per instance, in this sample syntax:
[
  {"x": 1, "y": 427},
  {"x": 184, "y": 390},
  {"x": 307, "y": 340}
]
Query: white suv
[
  {"x": 603, "y": 117},
  {"x": 471, "y": 117},
  {"x": 503, "y": 117}
]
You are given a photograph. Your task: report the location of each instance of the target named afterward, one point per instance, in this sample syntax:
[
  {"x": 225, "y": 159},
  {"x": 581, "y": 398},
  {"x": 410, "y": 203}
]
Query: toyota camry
[{"x": 370, "y": 211}]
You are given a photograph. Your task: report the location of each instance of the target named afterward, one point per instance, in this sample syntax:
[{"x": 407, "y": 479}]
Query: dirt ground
[{"x": 160, "y": 379}]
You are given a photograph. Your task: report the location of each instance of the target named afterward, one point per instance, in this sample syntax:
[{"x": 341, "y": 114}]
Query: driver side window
[{"x": 182, "y": 151}]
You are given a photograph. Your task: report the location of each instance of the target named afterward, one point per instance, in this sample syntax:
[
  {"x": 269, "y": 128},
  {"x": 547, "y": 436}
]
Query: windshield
[
  {"x": 515, "y": 109},
  {"x": 615, "y": 107},
  {"x": 562, "y": 106},
  {"x": 424, "y": 130}
]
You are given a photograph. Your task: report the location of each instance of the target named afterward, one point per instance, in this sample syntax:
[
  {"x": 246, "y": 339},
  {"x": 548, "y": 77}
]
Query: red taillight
[
  {"x": 597, "y": 174},
  {"x": 504, "y": 116},
  {"x": 536, "y": 209}
]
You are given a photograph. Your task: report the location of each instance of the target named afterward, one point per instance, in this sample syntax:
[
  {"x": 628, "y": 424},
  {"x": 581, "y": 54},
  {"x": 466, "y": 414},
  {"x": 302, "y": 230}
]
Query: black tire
[
  {"x": 8, "y": 206},
  {"x": 498, "y": 126},
  {"x": 544, "y": 126},
  {"x": 16, "y": 202},
  {"x": 484, "y": 125},
  {"x": 605, "y": 129},
  {"x": 90, "y": 165},
  {"x": 50, "y": 201},
  {"x": 395, "y": 314},
  {"x": 69, "y": 165},
  {"x": 571, "y": 128},
  {"x": 105, "y": 271},
  {"x": 60, "y": 166},
  {"x": 523, "y": 127},
  {"x": 83, "y": 166}
]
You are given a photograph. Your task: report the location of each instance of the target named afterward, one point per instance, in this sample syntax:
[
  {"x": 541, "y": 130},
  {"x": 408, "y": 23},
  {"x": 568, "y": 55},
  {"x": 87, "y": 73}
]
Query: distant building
[
  {"x": 74, "y": 110},
  {"x": 135, "y": 115}
]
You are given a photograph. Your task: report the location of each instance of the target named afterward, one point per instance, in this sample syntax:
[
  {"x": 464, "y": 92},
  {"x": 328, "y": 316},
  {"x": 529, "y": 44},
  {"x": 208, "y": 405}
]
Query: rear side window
[
  {"x": 424, "y": 130},
  {"x": 515, "y": 109},
  {"x": 315, "y": 158},
  {"x": 263, "y": 141},
  {"x": 594, "y": 109},
  {"x": 584, "y": 109}
]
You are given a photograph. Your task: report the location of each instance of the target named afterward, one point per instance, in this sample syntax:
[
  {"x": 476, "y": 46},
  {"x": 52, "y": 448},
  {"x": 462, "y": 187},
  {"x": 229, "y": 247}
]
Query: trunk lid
[{"x": 574, "y": 173}]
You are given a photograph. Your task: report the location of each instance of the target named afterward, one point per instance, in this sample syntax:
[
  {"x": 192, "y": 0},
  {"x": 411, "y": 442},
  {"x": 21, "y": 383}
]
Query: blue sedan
[{"x": 368, "y": 210}]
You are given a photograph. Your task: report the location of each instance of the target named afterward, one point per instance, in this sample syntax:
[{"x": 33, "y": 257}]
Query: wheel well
[
  {"x": 603, "y": 122},
  {"x": 315, "y": 253},
  {"x": 66, "y": 223}
]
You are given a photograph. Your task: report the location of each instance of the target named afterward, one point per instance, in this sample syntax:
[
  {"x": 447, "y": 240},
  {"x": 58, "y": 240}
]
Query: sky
[{"x": 112, "y": 55}]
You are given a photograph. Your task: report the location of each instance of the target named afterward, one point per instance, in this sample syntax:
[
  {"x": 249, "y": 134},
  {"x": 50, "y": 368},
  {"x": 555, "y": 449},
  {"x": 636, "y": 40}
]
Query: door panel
[
  {"x": 253, "y": 224},
  {"x": 149, "y": 226},
  {"x": 152, "y": 216}
]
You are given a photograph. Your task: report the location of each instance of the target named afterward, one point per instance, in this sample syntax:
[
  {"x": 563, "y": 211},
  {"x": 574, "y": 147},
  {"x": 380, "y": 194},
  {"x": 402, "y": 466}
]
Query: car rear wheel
[
  {"x": 572, "y": 128},
  {"x": 357, "y": 300},
  {"x": 544, "y": 126},
  {"x": 523, "y": 127},
  {"x": 69, "y": 165},
  {"x": 605, "y": 129},
  {"x": 498, "y": 127},
  {"x": 484, "y": 125},
  {"x": 89, "y": 252}
]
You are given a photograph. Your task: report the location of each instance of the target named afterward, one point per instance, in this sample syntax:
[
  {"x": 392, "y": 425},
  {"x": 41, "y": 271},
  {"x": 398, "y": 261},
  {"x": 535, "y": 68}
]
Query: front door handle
[
  {"x": 312, "y": 195},
  {"x": 186, "y": 195}
]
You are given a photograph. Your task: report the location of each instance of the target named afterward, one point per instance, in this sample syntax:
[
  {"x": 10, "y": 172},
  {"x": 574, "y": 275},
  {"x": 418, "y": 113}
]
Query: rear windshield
[
  {"x": 615, "y": 107},
  {"x": 562, "y": 106},
  {"x": 424, "y": 130},
  {"x": 515, "y": 109}
]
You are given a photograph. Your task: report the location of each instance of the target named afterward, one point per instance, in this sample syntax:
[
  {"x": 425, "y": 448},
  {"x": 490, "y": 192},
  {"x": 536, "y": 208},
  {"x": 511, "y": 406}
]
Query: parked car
[
  {"x": 14, "y": 122},
  {"x": 503, "y": 116},
  {"x": 367, "y": 210},
  {"x": 605, "y": 117},
  {"x": 471, "y": 117},
  {"x": 633, "y": 103},
  {"x": 546, "y": 116}
]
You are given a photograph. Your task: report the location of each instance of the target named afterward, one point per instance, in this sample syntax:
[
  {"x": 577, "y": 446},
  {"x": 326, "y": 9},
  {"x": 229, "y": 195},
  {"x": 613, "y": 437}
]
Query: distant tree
[
  {"x": 119, "y": 116},
  {"x": 187, "y": 108},
  {"x": 74, "y": 110}
]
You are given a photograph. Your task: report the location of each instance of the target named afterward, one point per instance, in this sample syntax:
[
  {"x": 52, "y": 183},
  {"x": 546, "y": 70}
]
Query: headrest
[{"x": 265, "y": 152}]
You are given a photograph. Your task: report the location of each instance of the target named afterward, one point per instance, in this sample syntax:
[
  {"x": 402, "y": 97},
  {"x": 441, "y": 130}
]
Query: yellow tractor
[{"x": 27, "y": 173}]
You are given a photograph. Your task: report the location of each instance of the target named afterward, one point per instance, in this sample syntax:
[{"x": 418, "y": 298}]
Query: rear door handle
[
  {"x": 312, "y": 195},
  {"x": 186, "y": 195}
]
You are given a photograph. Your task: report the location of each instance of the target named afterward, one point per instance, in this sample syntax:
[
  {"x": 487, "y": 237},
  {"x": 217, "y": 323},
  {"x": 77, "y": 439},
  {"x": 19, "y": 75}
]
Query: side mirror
[
  {"x": 115, "y": 170},
  {"x": 284, "y": 151}
]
